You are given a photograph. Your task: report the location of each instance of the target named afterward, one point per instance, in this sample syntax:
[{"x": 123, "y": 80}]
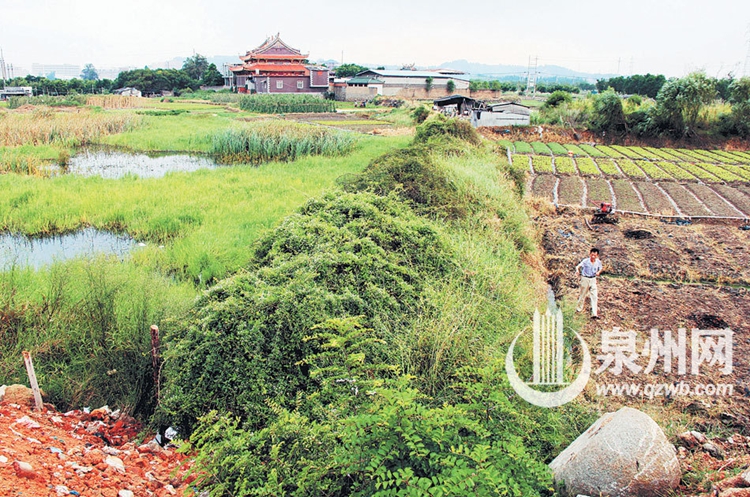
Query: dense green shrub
[
  {"x": 440, "y": 126},
  {"x": 413, "y": 174},
  {"x": 419, "y": 114},
  {"x": 341, "y": 255},
  {"x": 557, "y": 98},
  {"x": 608, "y": 114}
]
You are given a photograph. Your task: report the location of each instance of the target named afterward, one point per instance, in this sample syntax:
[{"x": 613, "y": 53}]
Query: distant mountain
[{"x": 502, "y": 71}]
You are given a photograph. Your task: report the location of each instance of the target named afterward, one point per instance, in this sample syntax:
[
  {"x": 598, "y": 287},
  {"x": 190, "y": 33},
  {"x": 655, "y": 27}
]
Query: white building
[
  {"x": 502, "y": 114},
  {"x": 391, "y": 82}
]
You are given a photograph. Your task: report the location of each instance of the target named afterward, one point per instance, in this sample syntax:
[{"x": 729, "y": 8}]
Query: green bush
[
  {"x": 419, "y": 114},
  {"x": 341, "y": 255},
  {"x": 440, "y": 126},
  {"x": 413, "y": 174},
  {"x": 558, "y": 97}
]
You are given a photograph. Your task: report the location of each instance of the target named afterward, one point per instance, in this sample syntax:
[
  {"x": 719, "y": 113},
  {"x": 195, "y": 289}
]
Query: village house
[
  {"x": 392, "y": 82},
  {"x": 15, "y": 91},
  {"x": 128, "y": 92},
  {"x": 501, "y": 114},
  {"x": 275, "y": 67}
]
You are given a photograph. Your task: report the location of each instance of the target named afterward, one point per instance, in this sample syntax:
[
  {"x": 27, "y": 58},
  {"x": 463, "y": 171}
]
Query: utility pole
[
  {"x": 2, "y": 67},
  {"x": 531, "y": 78},
  {"x": 746, "y": 69}
]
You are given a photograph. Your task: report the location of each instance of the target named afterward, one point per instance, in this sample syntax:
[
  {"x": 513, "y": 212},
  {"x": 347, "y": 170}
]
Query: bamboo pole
[
  {"x": 32, "y": 380},
  {"x": 155, "y": 356}
]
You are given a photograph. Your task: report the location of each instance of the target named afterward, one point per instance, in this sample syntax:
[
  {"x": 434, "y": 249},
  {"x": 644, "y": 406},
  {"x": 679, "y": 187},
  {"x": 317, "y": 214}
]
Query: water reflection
[
  {"x": 23, "y": 251},
  {"x": 115, "y": 164}
]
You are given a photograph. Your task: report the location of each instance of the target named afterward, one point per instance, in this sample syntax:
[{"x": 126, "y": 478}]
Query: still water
[
  {"x": 112, "y": 164},
  {"x": 23, "y": 251}
]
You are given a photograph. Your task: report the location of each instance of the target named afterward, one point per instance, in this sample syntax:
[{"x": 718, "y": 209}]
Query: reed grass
[
  {"x": 279, "y": 140},
  {"x": 117, "y": 102},
  {"x": 44, "y": 126},
  {"x": 285, "y": 104},
  {"x": 72, "y": 100},
  {"x": 206, "y": 219}
]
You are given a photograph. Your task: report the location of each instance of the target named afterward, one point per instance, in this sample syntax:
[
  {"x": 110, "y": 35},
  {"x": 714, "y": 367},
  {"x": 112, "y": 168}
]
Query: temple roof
[{"x": 274, "y": 47}]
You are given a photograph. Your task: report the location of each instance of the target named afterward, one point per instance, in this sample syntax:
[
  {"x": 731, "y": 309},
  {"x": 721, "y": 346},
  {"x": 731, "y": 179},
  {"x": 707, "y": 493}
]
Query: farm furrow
[
  {"x": 744, "y": 188},
  {"x": 608, "y": 167},
  {"x": 716, "y": 202},
  {"x": 544, "y": 186},
  {"x": 587, "y": 166},
  {"x": 655, "y": 199},
  {"x": 627, "y": 197},
  {"x": 555, "y": 194},
  {"x": 631, "y": 169},
  {"x": 688, "y": 204},
  {"x": 570, "y": 190},
  {"x": 597, "y": 192},
  {"x": 565, "y": 165},
  {"x": 735, "y": 196},
  {"x": 542, "y": 164}
]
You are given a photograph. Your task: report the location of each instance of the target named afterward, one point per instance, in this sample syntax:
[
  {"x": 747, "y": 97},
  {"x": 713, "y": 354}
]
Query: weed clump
[
  {"x": 415, "y": 176},
  {"x": 441, "y": 127},
  {"x": 342, "y": 255}
]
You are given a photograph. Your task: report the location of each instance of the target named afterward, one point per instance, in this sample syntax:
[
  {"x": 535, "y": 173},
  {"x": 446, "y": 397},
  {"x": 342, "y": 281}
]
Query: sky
[{"x": 658, "y": 36}]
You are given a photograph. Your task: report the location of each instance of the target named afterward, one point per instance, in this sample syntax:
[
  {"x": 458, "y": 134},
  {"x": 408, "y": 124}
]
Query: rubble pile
[{"x": 82, "y": 453}]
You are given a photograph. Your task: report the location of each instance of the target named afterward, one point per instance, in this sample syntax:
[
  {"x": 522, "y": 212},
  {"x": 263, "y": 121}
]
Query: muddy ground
[{"x": 665, "y": 276}]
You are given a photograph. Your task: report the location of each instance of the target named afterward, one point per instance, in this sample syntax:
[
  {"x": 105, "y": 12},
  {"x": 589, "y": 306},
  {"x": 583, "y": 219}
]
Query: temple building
[{"x": 275, "y": 67}]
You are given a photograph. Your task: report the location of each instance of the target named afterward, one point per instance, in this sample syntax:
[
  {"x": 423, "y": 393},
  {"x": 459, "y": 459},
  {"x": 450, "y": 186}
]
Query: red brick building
[{"x": 275, "y": 67}]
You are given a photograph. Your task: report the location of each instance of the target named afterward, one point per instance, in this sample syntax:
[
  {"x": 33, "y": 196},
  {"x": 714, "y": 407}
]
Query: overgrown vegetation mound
[
  {"x": 441, "y": 127},
  {"x": 357, "y": 354},
  {"x": 341, "y": 255}
]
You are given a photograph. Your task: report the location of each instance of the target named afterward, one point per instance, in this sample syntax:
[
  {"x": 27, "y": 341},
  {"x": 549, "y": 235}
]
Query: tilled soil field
[{"x": 665, "y": 277}]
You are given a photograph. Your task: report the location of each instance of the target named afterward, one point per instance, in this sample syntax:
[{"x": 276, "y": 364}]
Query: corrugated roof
[
  {"x": 363, "y": 81},
  {"x": 413, "y": 74}
]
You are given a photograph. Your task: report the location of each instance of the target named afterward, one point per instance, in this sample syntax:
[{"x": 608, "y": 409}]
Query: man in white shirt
[{"x": 589, "y": 269}]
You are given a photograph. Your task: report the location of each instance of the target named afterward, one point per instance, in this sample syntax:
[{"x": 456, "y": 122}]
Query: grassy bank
[
  {"x": 82, "y": 321},
  {"x": 359, "y": 352},
  {"x": 206, "y": 219}
]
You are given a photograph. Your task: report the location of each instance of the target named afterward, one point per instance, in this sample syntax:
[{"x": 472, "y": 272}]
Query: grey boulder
[{"x": 624, "y": 453}]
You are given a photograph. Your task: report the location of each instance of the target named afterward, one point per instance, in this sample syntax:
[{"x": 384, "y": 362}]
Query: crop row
[
  {"x": 669, "y": 198},
  {"x": 634, "y": 153},
  {"x": 635, "y": 169}
]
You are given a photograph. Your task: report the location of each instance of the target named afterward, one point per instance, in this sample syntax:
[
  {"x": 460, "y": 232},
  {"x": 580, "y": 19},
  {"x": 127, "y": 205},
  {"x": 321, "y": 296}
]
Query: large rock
[{"x": 622, "y": 454}]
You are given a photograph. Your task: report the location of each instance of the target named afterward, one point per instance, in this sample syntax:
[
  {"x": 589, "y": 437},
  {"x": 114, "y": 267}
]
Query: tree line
[
  {"x": 195, "y": 71},
  {"x": 682, "y": 108}
]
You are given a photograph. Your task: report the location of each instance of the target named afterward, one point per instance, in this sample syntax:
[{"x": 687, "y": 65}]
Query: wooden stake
[
  {"x": 155, "y": 356},
  {"x": 32, "y": 379}
]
